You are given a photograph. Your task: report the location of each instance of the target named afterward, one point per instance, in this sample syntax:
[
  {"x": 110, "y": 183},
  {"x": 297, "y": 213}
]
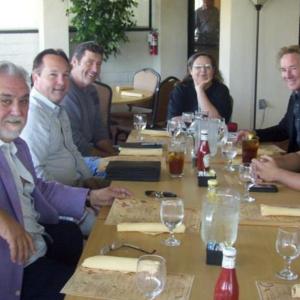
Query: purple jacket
[{"x": 51, "y": 200}]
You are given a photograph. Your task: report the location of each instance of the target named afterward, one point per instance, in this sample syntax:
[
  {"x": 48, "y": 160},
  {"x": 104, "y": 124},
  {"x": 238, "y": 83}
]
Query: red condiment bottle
[
  {"x": 203, "y": 154},
  {"x": 227, "y": 287}
]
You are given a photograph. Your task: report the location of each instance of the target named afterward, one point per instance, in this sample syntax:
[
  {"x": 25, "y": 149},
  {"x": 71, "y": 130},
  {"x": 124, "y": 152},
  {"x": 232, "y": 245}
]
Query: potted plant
[{"x": 103, "y": 21}]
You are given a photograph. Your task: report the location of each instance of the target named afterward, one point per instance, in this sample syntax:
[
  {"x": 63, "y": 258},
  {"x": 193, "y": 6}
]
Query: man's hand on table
[
  {"x": 106, "y": 196},
  {"x": 265, "y": 168}
]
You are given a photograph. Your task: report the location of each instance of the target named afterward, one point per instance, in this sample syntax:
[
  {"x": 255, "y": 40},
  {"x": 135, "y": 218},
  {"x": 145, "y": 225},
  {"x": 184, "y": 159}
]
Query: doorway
[{"x": 204, "y": 27}]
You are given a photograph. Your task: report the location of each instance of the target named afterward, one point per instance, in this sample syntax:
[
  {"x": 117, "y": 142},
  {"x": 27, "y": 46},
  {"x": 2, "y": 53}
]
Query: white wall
[
  {"x": 279, "y": 23},
  {"x": 172, "y": 54},
  {"x": 19, "y": 14}
]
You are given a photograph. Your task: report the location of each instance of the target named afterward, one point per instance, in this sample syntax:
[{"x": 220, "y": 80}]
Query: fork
[{"x": 117, "y": 245}]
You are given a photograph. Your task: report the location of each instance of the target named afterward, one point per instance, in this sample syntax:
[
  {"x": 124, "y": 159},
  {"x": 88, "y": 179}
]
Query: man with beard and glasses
[{"x": 38, "y": 251}]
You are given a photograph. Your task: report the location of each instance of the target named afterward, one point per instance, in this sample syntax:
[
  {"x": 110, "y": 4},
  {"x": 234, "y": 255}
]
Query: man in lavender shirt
[{"x": 38, "y": 251}]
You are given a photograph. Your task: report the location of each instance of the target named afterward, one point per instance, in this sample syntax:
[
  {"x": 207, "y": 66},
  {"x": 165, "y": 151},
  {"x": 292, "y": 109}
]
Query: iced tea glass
[
  {"x": 249, "y": 149},
  {"x": 175, "y": 158}
]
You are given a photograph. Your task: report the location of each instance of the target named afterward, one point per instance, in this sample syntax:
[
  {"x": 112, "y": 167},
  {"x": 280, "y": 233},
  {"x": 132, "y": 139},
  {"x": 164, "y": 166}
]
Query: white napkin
[
  {"x": 112, "y": 263},
  {"x": 141, "y": 151},
  {"x": 148, "y": 227},
  {"x": 267, "y": 210},
  {"x": 155, "y": 132}
]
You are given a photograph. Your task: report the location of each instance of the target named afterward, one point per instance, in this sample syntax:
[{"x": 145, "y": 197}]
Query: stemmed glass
[
  {"x": 229, "y": 152},
  {"x": 171, "y": 215},
  {"x": 187, "y": 118},
  {"x": 288, "y": 246},
  {"x": 139, "y": 123},
  {"x": 151, "y": 275},
  {"x": 171, "y": 127},
  {"x": 247, "y": 176}
]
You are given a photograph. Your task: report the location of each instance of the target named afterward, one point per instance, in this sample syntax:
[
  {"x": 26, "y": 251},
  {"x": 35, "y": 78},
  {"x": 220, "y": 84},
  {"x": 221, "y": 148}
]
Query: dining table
[
  {"x": 257, "y": 260},
  {"x": 130, "y": 95}
]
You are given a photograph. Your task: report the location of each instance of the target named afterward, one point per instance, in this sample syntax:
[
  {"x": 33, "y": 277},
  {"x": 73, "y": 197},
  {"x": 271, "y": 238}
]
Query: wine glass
[
  {"x": 151, "y": 275},
  {"x": 171, "y": 215},
  {"x": 187, "y": 118},
  {"x": 229, "y": 152},
  {"x": 171, "y": 127},
  {"x": 139, "y": 123},
  {"x": 288, "y": 246},
  {"x": 246, "y": 176}
]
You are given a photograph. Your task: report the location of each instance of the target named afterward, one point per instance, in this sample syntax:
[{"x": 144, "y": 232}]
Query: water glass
[
  {"x": 171, "y": 215},
  {"x": 247, "y": 176},
  {"x": 229, "y": 152},
  {"x": 220, "y": 217},
  {"x": 151, "y": 275},
  {"x": 288, "y": 246},
  {"x": 187, "y": 118},
  {"x": 139, "y": 123}
]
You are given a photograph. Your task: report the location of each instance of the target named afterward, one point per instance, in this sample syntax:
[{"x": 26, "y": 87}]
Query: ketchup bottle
[
  {"x": 203, "y": 154},
  {"x": 227, "y": 287}
]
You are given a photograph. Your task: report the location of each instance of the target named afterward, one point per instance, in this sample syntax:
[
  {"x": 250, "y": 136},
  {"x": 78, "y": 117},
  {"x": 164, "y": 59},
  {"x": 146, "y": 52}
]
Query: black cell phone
[{"x": 266, "y": 188}]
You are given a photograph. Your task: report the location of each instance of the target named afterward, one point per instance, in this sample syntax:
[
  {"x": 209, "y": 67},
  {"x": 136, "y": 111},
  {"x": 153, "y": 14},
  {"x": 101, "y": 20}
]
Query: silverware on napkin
[{"x": 117, "y": 245}]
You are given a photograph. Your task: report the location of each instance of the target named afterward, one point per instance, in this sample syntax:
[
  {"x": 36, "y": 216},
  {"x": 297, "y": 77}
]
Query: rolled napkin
[
  {"x": 141, "y": 151},
  {"x": 155, "y": 132},
  {"x": 131, "y": 94},
  {"x": 296, "y": 291},
  {"x": 148, "y": 227},
  {"x": 267, "y": 210},
  {"x": 112, "y": 263}
]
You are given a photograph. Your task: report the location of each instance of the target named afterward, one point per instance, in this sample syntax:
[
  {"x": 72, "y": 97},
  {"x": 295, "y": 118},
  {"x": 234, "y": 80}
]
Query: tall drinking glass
[
  {"x": 220, "y": 218},
  {"x": 288, "y": 246},
  {"x": 171, "y": 215},
  {"x": 151, "y": 275},
  {"x": 139, "y": 123}
]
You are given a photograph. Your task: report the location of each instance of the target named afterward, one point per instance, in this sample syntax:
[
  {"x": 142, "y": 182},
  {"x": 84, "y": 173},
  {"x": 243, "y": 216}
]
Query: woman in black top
[{"x": 202, "y": 89}]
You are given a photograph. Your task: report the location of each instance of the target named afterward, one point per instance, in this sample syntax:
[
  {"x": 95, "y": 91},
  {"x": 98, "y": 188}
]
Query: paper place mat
[
  {"x": 148, "y": 210},
  {"x": 112, "y": 285},
  {"x": 268, "y": 290},
  {"x": 155, "y": 133},
  {"x": 250, "y": 215}
]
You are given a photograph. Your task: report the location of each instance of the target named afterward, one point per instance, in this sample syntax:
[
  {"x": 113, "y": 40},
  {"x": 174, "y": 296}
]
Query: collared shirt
[
  {"x": 25, "y": 186},
  {"x": 49, "y": 137},
  {"x": 296, "y": 115},
  {"x": 82, "y": 106}
]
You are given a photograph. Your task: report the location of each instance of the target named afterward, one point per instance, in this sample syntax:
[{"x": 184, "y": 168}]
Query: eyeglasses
[{"x": 206, "y": 67}]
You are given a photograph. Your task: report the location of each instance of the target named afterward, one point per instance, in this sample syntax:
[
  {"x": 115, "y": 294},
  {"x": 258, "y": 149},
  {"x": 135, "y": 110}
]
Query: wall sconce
[{"x": 258, "y": 4}]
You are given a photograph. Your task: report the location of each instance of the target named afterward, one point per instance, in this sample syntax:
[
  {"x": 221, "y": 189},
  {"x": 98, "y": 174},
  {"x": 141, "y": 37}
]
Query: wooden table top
[
  {"x": 118, "y": 98},
  {"x": 256, "y": 255}
]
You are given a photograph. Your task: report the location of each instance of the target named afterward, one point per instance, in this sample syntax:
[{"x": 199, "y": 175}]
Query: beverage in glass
[
  {"x": 151, "y": 275},
  {"x": 175, "y": 158},
  {"x": 220, "y": 217},
  {"x": 171, "y": 215},
  {"x": 249, "y": 149}
]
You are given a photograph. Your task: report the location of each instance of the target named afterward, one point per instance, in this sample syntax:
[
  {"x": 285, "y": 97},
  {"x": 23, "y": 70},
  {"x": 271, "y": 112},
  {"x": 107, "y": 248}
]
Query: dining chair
[
  {"x": 146, "y": 79},
  {"x": 160, "y": 107},
  {"x": 105, "y": 96}
]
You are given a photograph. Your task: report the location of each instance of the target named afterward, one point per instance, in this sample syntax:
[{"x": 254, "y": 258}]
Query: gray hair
[{"x": 8, "y": 68}]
